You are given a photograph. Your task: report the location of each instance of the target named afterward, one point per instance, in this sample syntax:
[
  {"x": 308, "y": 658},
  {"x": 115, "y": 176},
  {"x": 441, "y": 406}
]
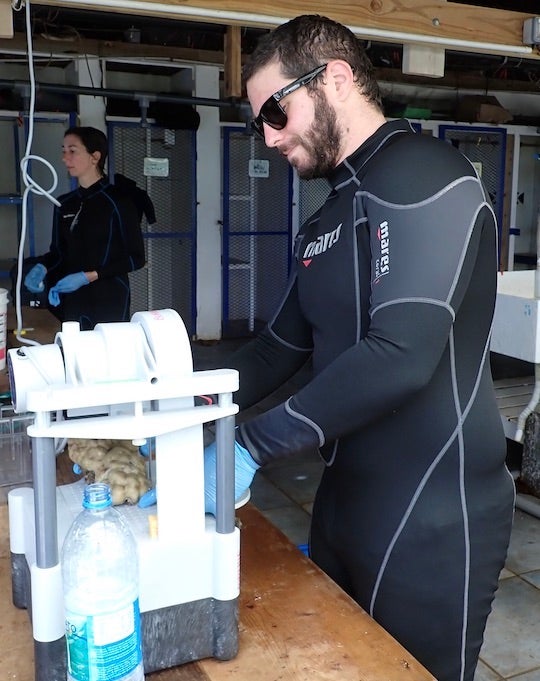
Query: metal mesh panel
[
  {"x": 256, "y": 232},
  {"x": 167, "y": 280},
  {"x": 486, "y": 149},
  {"x": 10, "y": 212}
]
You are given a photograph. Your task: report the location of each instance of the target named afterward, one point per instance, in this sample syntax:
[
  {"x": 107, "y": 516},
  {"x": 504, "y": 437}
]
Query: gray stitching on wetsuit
[
  {"x": 271, "y": 330},
  {"x": 463, "y": 499},
  {"x": 286, "y": 343},
  {"x": 466, "y": 246},
  {"x": 354, "y": 172},
  {"x": 332, "y": 457},
  {"x": 455, "y": 433},
  {"x": 429, "y": 301},
  {"x": 356, "y": 266},
  {"x": 424, "y": 202},
  {"x": 462, "y": 255},
  {"x": 458, "y": 432},
  {"x": 305, "y": 420}
]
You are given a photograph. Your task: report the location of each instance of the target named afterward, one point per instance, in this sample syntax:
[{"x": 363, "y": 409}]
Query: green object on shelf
[{"x": 416, "y": 112}]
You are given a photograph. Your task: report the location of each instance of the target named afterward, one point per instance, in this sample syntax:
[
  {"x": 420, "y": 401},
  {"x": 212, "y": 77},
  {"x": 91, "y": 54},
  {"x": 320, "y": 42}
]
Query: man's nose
[{"x": 271, "y": 135}]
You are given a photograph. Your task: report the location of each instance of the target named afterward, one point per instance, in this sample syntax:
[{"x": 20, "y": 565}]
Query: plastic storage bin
[{"x": 15, "y": 451}]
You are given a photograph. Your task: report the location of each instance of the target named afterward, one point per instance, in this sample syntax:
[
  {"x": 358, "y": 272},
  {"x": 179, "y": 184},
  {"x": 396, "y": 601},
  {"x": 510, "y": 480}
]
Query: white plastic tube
[{"x": 529, "y": 504}]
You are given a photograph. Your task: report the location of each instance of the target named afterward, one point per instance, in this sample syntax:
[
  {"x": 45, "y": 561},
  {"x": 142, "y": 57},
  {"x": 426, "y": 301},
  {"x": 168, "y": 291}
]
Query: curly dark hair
[
  {"x": 93, "y": 140},
  {"x": 306, "y": 41}
]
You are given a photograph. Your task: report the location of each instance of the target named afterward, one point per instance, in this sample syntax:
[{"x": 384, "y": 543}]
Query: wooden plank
[
  {"x": 6, "y": 19},
  {"x": 437, "y": 19},
  {"x": 233, "y": 62},
  {"x": 513, "y": 381},
  {"x": 514, "y": 392}
]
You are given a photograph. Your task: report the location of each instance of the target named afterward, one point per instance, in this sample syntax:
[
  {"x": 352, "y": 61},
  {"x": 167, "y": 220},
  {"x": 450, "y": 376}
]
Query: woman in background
[{"x": 96, "y": 240}]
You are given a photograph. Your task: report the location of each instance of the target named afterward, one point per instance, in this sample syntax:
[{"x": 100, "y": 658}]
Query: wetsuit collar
[
  {"x": 342, "y": 172},
  {"x": 87, "y": 192}
]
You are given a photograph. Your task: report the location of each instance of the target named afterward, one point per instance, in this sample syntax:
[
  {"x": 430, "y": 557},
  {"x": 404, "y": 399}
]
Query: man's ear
[{"x": 340, "y": 78}]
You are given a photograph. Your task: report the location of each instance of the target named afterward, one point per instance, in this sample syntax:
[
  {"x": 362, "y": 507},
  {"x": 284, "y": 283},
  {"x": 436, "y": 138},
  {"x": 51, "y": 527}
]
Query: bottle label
[{"x": 103, "y": 647}]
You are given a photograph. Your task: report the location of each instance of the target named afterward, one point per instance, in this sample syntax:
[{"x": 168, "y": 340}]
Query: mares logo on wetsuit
[
  {"x": 382, "y": 263},
  {"x": 321, "y": 244}
]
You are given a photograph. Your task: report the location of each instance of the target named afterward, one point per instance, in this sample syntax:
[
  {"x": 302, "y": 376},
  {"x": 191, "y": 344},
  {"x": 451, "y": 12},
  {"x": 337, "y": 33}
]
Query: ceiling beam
[
  {"x": 436, "y": 22},
  {"x": 44, "y": 48}
]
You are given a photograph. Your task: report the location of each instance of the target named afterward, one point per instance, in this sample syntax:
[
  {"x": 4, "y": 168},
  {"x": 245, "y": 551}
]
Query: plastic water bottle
[{"x": 101, "y": 597}]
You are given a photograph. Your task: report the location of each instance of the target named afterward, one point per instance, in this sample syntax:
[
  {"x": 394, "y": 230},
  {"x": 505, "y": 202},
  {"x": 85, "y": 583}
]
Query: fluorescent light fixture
[{"x": 531, "y": 31}]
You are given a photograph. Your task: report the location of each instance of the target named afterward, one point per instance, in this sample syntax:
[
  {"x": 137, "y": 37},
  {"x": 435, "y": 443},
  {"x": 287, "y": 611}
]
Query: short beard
[{"x": 322, "y": 141}]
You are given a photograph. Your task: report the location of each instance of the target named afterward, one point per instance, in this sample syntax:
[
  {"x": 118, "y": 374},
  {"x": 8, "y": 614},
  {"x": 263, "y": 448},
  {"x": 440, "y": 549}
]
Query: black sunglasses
[{"x": 272, "y": 113}]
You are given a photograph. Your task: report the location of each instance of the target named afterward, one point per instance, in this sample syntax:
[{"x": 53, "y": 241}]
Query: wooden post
[{"x": 233, "y": 62}]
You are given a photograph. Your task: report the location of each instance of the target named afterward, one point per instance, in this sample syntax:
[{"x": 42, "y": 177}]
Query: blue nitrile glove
[
  {"x": 148, "y": 498},
  {"x": 148, "y": 447},
  {"x": 68, "y": 284},
  {"x": 34, "y": 279},
  {"x": 244, "y": 471}
]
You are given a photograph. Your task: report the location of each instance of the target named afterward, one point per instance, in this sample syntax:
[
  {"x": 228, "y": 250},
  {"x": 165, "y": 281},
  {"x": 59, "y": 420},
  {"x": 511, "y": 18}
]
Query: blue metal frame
[
  {"x": 500, "y": 189},
  {"x": 225, "y": 226},
  {"x": 192, "y": 234},
  {"x": 227, "y": 132}
]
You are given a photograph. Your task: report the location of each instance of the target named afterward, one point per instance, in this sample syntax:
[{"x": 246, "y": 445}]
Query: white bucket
[{"x": 3, "y": 326}]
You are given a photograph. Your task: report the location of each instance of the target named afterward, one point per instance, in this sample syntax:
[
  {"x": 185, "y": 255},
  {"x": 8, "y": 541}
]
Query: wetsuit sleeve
[
  {"x": 425, "y": 238},
  {"x": 125, "y": 219},
  {"x": 275, "y": 355}
]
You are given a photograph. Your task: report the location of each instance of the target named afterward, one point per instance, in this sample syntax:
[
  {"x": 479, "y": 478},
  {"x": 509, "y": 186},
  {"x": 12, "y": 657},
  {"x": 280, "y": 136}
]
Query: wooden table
[
  {"x": 295, "y": 623},
  {"x": 38, "y": 324}
]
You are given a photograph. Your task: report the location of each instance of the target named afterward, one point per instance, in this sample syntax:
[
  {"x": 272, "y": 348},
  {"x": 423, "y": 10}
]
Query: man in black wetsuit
[{"x": 392, "y": 296}]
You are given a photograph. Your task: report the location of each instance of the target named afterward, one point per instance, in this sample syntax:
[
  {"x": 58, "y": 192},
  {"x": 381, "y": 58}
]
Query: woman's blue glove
[
  {"x": 34, "y": 279},
  {"x": 68, "y": 284},
  {"x": 244, "y": 471}
]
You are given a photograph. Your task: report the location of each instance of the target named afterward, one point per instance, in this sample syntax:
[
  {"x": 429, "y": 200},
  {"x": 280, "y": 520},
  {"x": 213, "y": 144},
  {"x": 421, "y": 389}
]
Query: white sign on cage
[
  {"x": 156, "y": 167},
  {"x": 259, "y": 167}
]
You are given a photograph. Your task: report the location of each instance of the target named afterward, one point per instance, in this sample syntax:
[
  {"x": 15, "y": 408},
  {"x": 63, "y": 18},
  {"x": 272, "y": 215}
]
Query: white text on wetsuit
[
  {"x": 322, "y": 243},
  {"x": 382, "y": 266}
]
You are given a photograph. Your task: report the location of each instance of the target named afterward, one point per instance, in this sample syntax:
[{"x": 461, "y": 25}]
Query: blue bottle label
[{"x": 104, "y": 647}]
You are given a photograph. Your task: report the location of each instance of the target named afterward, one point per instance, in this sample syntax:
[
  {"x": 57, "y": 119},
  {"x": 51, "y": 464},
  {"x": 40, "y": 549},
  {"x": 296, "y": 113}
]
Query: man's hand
[{"x": 244, "y": 471}]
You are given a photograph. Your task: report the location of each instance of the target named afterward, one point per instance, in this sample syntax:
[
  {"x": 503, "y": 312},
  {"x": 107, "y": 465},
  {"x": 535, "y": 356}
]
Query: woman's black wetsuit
[
  {"x": 393, "y": 295},
  {"x": 95, "y": 229}
]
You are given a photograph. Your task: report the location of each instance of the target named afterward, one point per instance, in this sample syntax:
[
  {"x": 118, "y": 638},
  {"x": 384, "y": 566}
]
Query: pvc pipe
[
  {"x": 529, "y": 504},
  {"x": 531, "y": 406},
  {"x": 526, "y": 502},
  {"x": 121, "y": 94}
]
